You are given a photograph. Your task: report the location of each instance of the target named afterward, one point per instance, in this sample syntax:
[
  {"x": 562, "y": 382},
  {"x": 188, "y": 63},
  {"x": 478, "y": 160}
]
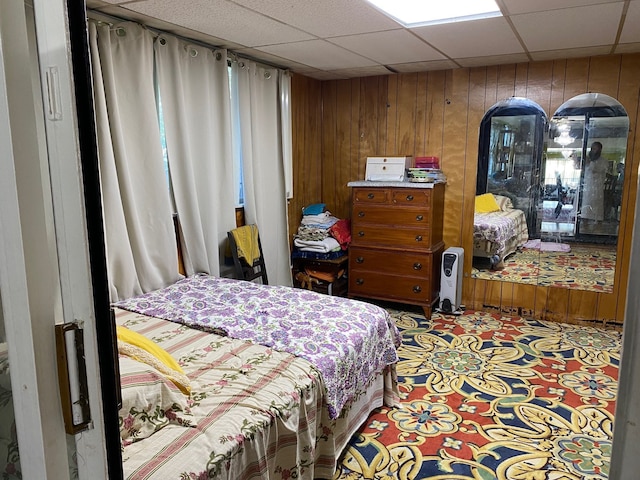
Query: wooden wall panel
[
  {"x": 454, "y": 152},
  {"x": 629, "y": 96},
  {"x": 557, "y": 86},
  {"x": 406, "y": 115},
  {"x": 538, "y": 84},
  {"x": 307, "y": 141},
  {"x": 337, "y": 124},
  {"x": 436, "y": 100},
  {"x": 422, "y": 115},
  {"x": 476, "y": 110},
  {"x": 576, "y": 76}
]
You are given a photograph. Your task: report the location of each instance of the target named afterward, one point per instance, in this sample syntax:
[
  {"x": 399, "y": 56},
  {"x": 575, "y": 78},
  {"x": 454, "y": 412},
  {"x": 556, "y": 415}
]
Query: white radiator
[{"x": 451, "y": 280}]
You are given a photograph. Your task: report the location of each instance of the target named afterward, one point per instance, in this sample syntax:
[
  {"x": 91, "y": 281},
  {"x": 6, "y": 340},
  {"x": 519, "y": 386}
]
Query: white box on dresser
[{"x": 387, "y": 169}]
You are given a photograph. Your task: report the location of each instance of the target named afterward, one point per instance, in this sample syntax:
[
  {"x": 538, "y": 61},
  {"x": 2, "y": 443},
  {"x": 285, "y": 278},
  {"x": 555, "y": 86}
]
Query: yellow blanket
[
  {"x": 140, "y": 348},
  {"x": 246, "y": 238}
]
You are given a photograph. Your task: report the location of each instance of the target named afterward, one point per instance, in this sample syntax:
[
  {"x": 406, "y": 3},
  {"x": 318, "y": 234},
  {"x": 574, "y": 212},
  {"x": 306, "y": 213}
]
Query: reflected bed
[{"x": 498, "y": 234}]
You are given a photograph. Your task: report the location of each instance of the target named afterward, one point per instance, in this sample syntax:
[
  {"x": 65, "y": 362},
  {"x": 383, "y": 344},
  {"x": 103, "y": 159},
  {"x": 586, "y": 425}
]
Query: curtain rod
[{"x": 231, "y": 55}]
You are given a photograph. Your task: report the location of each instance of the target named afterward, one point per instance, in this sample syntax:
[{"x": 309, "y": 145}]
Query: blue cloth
[{"x": 315, "y": 209}]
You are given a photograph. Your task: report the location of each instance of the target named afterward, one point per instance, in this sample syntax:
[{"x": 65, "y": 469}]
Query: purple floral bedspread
[
  {"x": 346, "y": 340},
  {"x": 499, "y": 228}
]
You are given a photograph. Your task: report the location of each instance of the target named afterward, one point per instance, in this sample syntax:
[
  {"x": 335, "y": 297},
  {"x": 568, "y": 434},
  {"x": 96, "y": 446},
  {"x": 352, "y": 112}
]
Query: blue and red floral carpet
[{"x": 488, "y": 397}]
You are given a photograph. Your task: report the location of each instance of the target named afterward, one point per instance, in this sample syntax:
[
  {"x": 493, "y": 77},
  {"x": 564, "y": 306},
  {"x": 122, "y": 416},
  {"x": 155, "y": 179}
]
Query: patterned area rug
[
  {"x": 493, "y": 397},
  {"x": 585, "y": 267}
]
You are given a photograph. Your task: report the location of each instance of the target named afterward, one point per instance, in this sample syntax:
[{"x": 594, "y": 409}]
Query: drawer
[
  {"x": 390, "y": 287},
  {"x": 390, "y": 262},
  {"x": 371, "y": 195},
  {"x": 390, "y": 236},
  {"x": 409, "y": 217},
  {"x": 411, "y": 196}
]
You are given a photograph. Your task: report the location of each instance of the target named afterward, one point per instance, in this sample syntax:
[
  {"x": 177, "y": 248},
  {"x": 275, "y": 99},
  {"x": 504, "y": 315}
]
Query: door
[{"x": 50, "y": 250}]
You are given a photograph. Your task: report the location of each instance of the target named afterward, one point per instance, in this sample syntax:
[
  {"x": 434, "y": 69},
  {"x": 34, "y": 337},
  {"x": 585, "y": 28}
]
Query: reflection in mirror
[
  {"x": 9, "y": 455},
  {"x": 510, "y": 151},
  {"x": 572, "y": 203},
  {"x": 586, "y": 155}
]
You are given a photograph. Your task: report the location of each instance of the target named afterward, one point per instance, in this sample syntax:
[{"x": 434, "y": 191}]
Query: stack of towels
[{"x": 321, "y": 232}]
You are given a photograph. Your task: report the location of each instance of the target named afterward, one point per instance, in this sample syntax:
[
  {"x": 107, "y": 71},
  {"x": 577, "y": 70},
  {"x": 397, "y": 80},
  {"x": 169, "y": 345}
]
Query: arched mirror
[
  {"x": 584, "y": 170},
  {"x": 583, "y": 173},
  {"x": 572, "y": 204},
  {"x": 511, "y": 145}
]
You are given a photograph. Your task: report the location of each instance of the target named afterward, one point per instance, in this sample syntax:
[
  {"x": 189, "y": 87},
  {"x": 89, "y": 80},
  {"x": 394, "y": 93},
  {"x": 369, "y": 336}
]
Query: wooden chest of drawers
[{"x": 396, "y": 243}]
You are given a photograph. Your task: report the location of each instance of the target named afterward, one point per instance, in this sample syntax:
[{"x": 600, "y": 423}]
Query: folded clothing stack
[{"x": 321, "y": 232}]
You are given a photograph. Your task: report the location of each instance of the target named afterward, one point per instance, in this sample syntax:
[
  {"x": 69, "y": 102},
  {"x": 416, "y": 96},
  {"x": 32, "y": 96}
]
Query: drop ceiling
[{"x": 334, "y": 39}]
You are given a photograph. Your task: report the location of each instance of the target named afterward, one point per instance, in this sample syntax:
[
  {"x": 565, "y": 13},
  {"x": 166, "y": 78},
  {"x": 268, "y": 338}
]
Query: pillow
[
  {"x": 486, "y": 203},
  {"x": 503, "y": 202},
  {"x": 149, "y": 402},
  {"x": 140, "y": 348},
  {"x": 341, "y": 231}
]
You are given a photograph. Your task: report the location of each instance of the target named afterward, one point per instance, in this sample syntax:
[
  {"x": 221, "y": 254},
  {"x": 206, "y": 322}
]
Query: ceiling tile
[
  {"x": 269, "y": 59},
  {"x": 570, "y": 27},
  {"x": 571, "y": 53},
  {"x": 631, "y": 31},
  {"x": 515, "y": 7},
  {"x": 393, "y": 46},
  {"x": 161, "y": 25},
  {"x": 326, "y": 18},
  {"x": 423, "y": 66},
  {"x": 492, "y": 60},
  {"x": 323, "y": 75},
  {"x": 318, "y": 54},
  {"x": 490, "y": 36},
  {"x": 362, "y": 71},
  {"x": 224, "y": 19}
]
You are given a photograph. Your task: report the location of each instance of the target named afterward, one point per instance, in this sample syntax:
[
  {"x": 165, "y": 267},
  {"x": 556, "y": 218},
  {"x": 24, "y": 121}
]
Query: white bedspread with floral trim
[
  {"x": 346, "y": 340},
  {"x": 254, "y": 412}
]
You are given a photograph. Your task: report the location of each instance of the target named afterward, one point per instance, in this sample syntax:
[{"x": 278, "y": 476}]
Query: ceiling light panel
[{"x": 413, "y": 13}]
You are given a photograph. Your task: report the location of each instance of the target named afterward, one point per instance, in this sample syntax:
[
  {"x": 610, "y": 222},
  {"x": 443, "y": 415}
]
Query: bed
[
  {"x": 278, "y": 378},
  {"x": 499, "y": 230}
]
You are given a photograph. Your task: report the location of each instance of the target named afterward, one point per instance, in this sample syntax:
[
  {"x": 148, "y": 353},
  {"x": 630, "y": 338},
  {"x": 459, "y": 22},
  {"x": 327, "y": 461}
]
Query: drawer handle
[
  {"x": 418, "y": 238},
  {"x": 359, "y": 281},
  {"x": 370, "y": 196},
  {"x": 361, "y": 233},
  {"x": 419, "y": 218},
  {"x": 361, "y": 214},
  {"x": 417, "y": 289},
  {"x": 359, "y": 260},
  {"x": 417, "y": 266},
  {"x": 409, "y": 198}
]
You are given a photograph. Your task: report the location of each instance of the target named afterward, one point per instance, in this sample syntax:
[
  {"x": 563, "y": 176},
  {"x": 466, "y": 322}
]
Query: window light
[{"x": 414, "y": 13}]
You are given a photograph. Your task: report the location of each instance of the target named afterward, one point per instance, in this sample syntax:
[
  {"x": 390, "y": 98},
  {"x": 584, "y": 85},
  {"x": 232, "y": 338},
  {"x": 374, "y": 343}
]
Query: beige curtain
[
  {"x": 265, "y": 196},
  {"x": 139, "y": 235},
  {"x": 194, "y": 91}
]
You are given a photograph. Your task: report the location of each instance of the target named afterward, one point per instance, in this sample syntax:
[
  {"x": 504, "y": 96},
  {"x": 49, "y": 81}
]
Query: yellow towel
[
  {"x": 246, "y": 238},
  {"x": 143, "y": 350}
]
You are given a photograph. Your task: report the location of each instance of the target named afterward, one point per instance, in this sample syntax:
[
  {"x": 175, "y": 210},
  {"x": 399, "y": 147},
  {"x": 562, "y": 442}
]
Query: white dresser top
[{"x": 365, "y": 183}]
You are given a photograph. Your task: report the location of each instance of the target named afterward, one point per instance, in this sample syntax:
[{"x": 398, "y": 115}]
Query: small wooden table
[{"x": 328, "y": 276}]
